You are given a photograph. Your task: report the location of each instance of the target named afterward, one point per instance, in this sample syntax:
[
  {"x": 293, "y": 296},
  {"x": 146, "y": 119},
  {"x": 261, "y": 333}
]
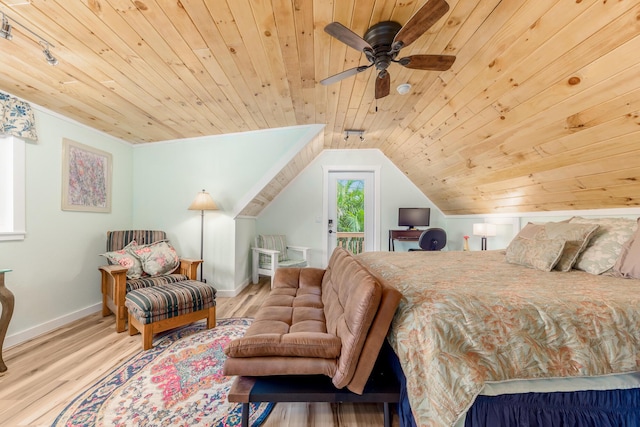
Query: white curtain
[{"x": 17, "y": 118}]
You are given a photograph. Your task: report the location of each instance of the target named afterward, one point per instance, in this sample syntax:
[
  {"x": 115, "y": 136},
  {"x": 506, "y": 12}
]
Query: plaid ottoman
[{"x": 159, "y": 308}]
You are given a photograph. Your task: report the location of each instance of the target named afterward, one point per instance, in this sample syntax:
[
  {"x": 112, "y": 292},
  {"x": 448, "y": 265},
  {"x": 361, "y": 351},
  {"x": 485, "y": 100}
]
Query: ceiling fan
[{"x": 383, "y": 41}]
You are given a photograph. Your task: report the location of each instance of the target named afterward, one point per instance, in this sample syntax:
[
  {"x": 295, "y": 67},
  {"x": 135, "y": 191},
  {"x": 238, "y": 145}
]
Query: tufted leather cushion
[
  {"x": 318, "y": 322},
  {"x": 351, "y": 296},
  {"x": 290, "y": 322}
]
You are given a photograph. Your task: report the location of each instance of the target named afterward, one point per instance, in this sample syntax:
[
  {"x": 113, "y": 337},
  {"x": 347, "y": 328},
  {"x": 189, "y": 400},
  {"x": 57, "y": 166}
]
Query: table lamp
[{"x": 485, "y": 230}]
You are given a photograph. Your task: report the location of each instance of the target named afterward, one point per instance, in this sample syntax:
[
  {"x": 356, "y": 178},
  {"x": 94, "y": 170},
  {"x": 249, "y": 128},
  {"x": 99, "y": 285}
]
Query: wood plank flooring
[{"x": 46, "y": 373}]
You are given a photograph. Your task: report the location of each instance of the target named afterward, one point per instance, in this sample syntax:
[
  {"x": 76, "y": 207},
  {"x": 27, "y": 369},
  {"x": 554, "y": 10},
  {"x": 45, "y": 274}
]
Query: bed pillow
[
  {"x": 541, "y": 254},
  {"x": 126, "y": 258},
  {"x": 576, "y": 236},
  {"x": 605, "y": 245},
  {"x": 157, "y": 258},
  {"x": 628, "y": 263}
]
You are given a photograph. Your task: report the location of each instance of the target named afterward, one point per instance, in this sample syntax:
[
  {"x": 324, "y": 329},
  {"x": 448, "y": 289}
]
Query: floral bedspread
[{"x": 470, "y": 317}]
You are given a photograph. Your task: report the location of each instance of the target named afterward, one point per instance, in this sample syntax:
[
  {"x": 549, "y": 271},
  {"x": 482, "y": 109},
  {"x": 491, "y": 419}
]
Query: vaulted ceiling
[{"x": 540, "y": 111}]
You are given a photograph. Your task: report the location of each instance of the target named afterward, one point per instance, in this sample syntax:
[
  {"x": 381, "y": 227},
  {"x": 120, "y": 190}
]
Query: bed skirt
[{"x": 593, "y": 408}]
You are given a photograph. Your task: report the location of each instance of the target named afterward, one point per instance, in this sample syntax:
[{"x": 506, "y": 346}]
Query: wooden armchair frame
[
  {"x": 114, "y": 277},
  {"x": 114, "y": 288}
]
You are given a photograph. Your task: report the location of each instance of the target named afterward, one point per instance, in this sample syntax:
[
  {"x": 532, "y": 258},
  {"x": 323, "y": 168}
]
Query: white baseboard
[
  {"x": 230, "y": 293},
  {"x": 26, "y": 335}
]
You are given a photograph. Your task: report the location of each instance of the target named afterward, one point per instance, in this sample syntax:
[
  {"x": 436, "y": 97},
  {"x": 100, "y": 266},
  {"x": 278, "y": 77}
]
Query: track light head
[
  {"x": 357, "y": 132},
  {"x": 5, "y": 33},
  {"x": 47, "y": 53},
  {"x": 5, "y": 30}
]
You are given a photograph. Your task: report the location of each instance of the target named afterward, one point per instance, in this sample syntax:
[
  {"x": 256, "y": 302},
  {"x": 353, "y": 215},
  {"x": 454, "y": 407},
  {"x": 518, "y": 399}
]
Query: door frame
[{"x": 326, "y": 170}]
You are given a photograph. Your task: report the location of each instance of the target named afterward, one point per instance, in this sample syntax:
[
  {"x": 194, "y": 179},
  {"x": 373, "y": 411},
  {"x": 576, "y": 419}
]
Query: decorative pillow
[
  {"x": 576, "y": 236},
  {"x": 126, "y": 258},
  {"x": 605, "y": 245},
  {"x": 628, "y": 264},
  {"x": 157, "y": 258},
  {"x": 541, "y": 254},
  {"x": 275, "y": 242}
]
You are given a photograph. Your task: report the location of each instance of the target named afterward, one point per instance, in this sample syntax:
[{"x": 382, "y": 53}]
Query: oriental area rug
[{"x": 179, "y": 382}]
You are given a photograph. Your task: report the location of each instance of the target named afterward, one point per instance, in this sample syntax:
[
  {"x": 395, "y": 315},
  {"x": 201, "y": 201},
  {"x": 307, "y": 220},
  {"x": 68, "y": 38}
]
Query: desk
[{"x": 403, "y": 236}]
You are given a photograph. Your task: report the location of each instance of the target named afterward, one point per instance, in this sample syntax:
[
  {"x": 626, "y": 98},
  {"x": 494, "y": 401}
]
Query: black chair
[{"x": 432, "y": 239}]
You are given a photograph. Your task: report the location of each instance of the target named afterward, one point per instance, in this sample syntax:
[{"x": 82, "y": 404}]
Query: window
[{"x": 12, "y": 188}]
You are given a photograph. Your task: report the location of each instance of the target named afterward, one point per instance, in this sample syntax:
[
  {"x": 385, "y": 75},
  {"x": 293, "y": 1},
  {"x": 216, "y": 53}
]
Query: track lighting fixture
[
  {"x": 357, "y": 132},
  {"x": 5, "y": 33},
  {"x": 5, "y": 30},
  {"x": 47, "y": 53}
]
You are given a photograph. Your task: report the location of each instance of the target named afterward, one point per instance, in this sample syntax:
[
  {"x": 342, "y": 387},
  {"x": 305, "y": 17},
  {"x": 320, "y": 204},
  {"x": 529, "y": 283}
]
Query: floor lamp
[{"x": 202, "y": 202}]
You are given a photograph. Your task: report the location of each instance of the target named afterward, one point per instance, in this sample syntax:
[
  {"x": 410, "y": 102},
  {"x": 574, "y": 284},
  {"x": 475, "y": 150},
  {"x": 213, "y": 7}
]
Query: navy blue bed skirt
[{"x": 607, "y": 408}]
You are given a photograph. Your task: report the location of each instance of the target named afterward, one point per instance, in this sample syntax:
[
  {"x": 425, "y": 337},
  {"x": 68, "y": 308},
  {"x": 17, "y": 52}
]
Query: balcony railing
[{"x": 353, "y": 242}]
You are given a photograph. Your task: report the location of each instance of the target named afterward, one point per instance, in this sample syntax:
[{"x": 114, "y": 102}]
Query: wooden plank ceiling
[{"x": 540, "y": 111}]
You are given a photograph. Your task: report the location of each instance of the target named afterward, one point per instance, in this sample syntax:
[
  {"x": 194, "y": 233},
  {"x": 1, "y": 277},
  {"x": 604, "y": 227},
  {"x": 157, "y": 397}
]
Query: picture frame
[{"x": 86, "y": 178}]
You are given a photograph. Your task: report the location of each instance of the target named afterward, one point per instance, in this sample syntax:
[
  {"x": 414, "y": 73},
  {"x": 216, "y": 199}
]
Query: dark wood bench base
[{"x": 382, "y": 387}]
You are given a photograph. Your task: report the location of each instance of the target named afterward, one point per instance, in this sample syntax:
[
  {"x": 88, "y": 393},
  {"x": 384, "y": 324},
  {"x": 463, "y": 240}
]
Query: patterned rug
[{"x": 179, "y": 382}]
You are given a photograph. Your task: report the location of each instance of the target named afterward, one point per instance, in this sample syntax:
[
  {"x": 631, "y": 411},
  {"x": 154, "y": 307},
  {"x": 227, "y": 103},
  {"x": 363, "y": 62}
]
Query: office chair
[{"x": 432, "y": 239}]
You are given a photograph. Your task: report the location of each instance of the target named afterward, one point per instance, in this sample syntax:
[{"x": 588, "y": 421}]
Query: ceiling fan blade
[
  {"x": 383, "y": 84},
  {"x": 428, "y": 62},
  {"x": 347, "y": 36},
  {"x": 421, "y": 21},
  {"x": 343, "y": 75}
]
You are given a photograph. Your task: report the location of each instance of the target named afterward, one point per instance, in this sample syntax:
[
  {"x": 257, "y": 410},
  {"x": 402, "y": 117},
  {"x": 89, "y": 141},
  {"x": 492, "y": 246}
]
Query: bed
[{"x": 471, "y": 320}]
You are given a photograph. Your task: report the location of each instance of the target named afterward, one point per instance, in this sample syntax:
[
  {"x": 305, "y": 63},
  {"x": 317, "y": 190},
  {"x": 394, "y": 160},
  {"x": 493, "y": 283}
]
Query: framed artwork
[{"x": 86, "y": 178}]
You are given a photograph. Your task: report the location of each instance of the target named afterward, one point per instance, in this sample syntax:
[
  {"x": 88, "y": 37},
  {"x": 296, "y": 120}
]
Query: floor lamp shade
[{"x": 202, "y": 202}]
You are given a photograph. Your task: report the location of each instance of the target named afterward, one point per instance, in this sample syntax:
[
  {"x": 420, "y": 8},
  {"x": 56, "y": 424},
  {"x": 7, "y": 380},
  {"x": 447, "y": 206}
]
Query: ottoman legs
[{"x": 150, "y": 329}]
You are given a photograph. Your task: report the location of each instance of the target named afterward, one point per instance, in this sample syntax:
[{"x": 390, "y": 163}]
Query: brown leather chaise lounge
[{"x": 330, "y": 322}]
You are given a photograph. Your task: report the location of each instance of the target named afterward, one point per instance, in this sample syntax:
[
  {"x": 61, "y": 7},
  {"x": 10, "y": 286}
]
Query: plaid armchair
[{"x": 115, "y": 283}]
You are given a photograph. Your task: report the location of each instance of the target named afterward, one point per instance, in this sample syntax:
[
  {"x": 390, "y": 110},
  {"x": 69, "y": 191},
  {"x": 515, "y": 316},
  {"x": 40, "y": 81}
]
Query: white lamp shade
[
  {"x": 484, "y": 229},
  {"x": 203, "y": 202}
]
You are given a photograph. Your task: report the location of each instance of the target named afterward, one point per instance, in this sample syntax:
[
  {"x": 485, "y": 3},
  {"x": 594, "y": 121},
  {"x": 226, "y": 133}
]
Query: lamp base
[{"x": 483, "y": 244}]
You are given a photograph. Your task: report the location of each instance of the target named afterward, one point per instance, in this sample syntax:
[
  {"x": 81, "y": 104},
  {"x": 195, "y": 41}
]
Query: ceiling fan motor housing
[{"x": 380, "y": 37}]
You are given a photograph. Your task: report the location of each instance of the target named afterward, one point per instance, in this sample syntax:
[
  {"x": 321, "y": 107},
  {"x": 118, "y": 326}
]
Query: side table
[{"x": 7, "y": 300}]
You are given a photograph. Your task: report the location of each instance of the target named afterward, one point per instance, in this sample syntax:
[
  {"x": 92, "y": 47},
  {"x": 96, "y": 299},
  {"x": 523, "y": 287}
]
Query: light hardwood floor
[{"x": 46, "y": 373}]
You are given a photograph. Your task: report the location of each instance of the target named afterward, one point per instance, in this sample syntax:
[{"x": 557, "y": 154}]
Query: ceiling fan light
[{"x": 404, "y": 88}]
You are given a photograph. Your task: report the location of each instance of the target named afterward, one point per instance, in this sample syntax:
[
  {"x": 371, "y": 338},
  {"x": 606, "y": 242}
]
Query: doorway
[{"x": 351, "y": 209}]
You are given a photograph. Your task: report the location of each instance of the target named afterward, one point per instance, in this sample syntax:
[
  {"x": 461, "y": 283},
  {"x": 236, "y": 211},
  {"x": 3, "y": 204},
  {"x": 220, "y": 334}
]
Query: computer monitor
[{"x": 413, "y": 217}]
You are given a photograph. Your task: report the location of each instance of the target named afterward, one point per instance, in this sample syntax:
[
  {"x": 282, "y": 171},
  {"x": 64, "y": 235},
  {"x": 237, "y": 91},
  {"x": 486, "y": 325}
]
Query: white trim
[
  {"x": 226, "y": 135},
  {"x": 59, "y": 116},
  {"x": 46, "y": 327},
  {"x": 589, "y": 212},
  {"x": 12, "y": 235},
  {"x": 14, "y": 162}
]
